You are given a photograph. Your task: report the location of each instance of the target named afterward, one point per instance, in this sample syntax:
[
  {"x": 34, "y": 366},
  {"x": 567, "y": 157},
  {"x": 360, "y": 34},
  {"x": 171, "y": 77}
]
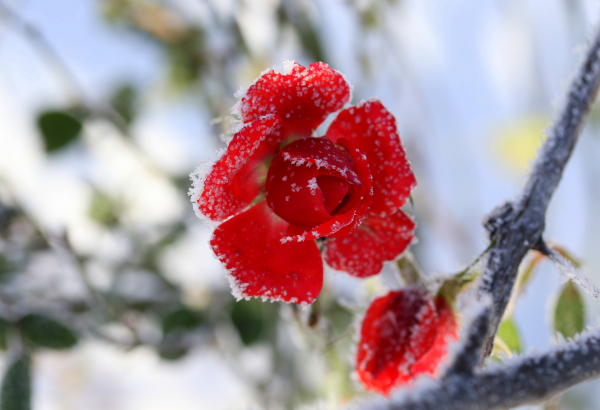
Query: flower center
[
  {"x": 335, "y": 192},
  {"x": 309, "y": 182}
]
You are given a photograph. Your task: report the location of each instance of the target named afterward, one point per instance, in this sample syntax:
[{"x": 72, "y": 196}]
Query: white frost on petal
[
  {"x": 313, "y": 186},
  {"x": 198, "y": 176}
]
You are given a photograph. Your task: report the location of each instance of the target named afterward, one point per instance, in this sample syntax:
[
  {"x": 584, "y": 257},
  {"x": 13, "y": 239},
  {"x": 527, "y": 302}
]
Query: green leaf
[
  {"x": 510, "y": 335},
  {"x": 569, "y": 314},
  {"x": 16, "y": 386},
  {"x": 252, "y": 319},
  {"x": 58, "y": 128},
  {"x": 182, "y": 319},
  {"x": 103, "y": 209},
  {"x": 171, "y": 352},
  {"x": 3, "y": 334},
  {"x": 339, "y": 317},
  {"x": 6, "y": 266},
  {"x": 123, "y": 102},
  {"x": 187, "y": 57},
  {"x": 46, "y": 332}
]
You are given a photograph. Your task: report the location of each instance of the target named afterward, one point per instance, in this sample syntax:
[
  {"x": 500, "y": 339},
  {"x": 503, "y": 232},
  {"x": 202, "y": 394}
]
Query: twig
[
  {"x": 522, "y": 380},
  {"x": 518, "y": 226},
  {"x": 466, "y": 359},
  {"x": 570, "y": 271}
]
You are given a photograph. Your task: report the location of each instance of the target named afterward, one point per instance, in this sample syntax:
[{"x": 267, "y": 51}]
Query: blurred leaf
[
  {"x": 103, "y": 209},
  {"x": 369, "y": 18},
  {"x": 6, "y": 266},
  {"x": 173, "y": 346},
  {"x": 46, "y": 332},
  {"x": 182, "y": 319},
  {"x": 408, "y": 269},
  {"x": 526, "y": 274},
  {"x": 175, "y": 233},
  {"x": 517, "y": 143},
  {"x": 252, "y": 319},
  {"x": 500, "y": 351},
  {"x": 569, "y": 314},
  {"x": 311, "y": 43},
  {"x": 3, "y": 333},
  {"x": 123, "y": 102},
  {"x": 339, "y": 317},
  {"x": 187, "y": 58},
  {"x": 510, "y": 335},
  {"x": 58, "y": 128},
  {"x": 169, "y": 351},
  {"x": 289, "y": 13},
  {"x": 16, "y": 386}
]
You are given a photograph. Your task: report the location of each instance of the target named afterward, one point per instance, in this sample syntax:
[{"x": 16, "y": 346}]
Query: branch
[
  {"x": 465, "y": 361},
  {"x": 523, "y": 380},
  {"x": 517, "y": 227}
]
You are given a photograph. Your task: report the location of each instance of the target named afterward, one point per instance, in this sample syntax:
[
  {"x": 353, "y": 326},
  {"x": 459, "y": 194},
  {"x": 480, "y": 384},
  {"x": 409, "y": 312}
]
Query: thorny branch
[
  {"x": 523, "y": 380},
  {"x": 515, "y": 228}
]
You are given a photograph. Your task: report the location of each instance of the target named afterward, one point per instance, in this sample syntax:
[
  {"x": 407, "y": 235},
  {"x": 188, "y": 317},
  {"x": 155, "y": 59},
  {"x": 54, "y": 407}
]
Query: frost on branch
[
  {"x": 515, "y": 228},
  {"x": 571, "y": 272}
]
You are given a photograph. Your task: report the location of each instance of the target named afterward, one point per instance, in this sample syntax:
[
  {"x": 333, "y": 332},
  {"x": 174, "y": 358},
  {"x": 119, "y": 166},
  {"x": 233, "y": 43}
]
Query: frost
[
  {"x": 567, "y": 269},
  {"x": 313, "y": 186},
  {"x": 288, "y": 66},
  {"x": 198, "y": 176},
  {"x": 472, "y": 311}
]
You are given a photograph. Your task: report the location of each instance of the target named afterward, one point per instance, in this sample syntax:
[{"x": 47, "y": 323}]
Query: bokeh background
[{"x": 107, "y": 106}]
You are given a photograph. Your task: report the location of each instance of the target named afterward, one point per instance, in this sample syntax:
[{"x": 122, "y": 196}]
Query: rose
[
  {"x": 347, "y": 186},
  {"x": 404, "y": 334}
]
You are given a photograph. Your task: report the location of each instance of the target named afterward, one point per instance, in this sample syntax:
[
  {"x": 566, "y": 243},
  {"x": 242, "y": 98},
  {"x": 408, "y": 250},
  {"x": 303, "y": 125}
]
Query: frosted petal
[
  {"x": 372, "y": 130},
  {"x": 260, "y": 265},
  {"x": 233, "y": 182},
  {"x": 362, "y": 252},
  {"x": 302, "y": 97}
]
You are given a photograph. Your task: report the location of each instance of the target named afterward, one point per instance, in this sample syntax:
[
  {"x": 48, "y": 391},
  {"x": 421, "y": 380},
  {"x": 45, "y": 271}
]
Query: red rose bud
[
  {"x": 347, "y": 186},
  {"x": 404, "y": 334},
  {"x": 311, "y": 181}
]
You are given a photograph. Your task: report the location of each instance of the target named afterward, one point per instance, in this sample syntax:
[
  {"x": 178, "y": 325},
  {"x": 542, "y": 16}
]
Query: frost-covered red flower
[
  {"x": 277, "y": 188},
  {"x": 404, "y": 334}
]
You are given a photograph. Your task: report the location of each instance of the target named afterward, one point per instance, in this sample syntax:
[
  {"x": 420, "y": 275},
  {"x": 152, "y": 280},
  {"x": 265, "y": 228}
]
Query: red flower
[
  {"x": 404, "y": 334},
  {"x": 347, "y": 186}
]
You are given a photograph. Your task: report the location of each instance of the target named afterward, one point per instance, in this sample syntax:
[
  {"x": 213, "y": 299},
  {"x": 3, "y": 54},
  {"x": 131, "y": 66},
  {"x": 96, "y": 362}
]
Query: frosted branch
[
  {"x": 522, "y": 380},
  {"x": 514, "y": 229},
  {"x": 466, "y": 359},
  {"x": 517, "y": 227}
]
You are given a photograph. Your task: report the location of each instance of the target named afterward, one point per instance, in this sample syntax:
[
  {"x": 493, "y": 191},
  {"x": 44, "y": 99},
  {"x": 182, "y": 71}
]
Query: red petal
[
  {"x": 322, "y": 153},
  {"x": 260, "y": 265},
  {"x": 303, "y": 98},
  {"x": 363, "y": 251},
  {"x": 398, "y": 329},
  {"x": 362, "y": 169},
  {"x": 328, "y": 160},
  {"x": 447, "y": 332},
  {"x": 334, "y": 190},
  {"x": 372, "y": 129},
  {"x": 293, "y": 194},
  {"x": 239, "y": 175}
]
